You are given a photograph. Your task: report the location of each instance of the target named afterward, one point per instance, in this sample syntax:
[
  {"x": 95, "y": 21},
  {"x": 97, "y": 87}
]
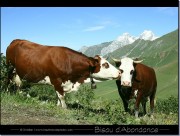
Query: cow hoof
[
  {"x": 61, "y": 106},
  {"x": 93, "y": 86}
]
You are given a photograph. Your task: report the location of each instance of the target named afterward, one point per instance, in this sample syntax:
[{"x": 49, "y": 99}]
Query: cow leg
[
  {"x": 59, "y": 91},
  {"x": 125, "y": 102},
  {"x": 144, "y": 106},
  {"x": 62, "y": 99},
  {"x": 18, "y": 82},
  {"x": 152, "y": 97},
  {"x": 138, "y": 100}
]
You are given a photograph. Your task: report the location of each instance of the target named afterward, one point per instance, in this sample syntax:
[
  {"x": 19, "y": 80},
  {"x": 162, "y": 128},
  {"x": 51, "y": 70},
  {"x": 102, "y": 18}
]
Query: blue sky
[{"x": 75, "y": 27}]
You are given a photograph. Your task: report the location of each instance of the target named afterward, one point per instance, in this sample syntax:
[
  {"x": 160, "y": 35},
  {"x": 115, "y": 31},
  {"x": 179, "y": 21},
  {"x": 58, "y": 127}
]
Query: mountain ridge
[{"x": 122, "y": 40}]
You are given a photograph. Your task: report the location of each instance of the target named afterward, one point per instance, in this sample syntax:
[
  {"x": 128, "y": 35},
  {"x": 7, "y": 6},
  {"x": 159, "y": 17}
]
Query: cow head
[
  {"x": 126, "y": 67},
  {"x": 103, "y": 70}
]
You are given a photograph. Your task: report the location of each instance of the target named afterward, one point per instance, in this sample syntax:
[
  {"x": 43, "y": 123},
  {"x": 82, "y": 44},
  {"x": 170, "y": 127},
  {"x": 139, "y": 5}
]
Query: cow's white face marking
[
  {"x": 107, "y": 71},
  {"x": 126, "y": 69},
  {"x": 88, "y": 80},
  {"x": 68, "y": 86},
  {"x": 46, "y": 80}
]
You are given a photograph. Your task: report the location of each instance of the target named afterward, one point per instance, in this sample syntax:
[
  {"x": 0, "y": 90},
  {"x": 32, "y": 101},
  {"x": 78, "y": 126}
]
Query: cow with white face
[
  {"x": 106, "y": 70},
  {"x": 126, "y": 67},
  {"x": 137, "y": 81}
]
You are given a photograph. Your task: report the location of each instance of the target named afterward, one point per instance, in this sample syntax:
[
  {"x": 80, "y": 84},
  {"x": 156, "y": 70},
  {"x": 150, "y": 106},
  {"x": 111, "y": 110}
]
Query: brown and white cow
[
  {"x": 62, "y": 67},
  {"x": 136, "y": 80}
]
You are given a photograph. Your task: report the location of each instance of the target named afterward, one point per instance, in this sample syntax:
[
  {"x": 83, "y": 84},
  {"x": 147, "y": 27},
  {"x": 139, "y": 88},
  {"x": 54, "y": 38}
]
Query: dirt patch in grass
[
  {"x": 27, "y": 119},
  {"x": 13, "y": 113}
]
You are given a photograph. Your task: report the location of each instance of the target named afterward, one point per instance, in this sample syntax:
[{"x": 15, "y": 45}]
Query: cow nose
[{"x": 126, "y": 83}]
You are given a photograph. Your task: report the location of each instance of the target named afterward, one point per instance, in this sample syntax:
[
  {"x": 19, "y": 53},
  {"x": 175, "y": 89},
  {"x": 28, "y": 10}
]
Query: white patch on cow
[
  {"x": 135, "y": 93},
  {"x": 46, "y": 80},
  {"x": 68, "y": 86},
  {"x": 106, "y": 73},
  {"x": 61, "y": 98},
  {"x": 88, "y": 80},
  {"x": 17, "y": 80},
  {"x": 126, "y": 67}
]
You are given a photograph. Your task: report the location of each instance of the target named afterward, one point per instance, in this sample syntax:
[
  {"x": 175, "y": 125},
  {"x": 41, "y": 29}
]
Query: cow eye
[
  {"x": 131, "y": 72},
  {"x": 121, "y": 70},
  {"x": 106, "y": 65}
]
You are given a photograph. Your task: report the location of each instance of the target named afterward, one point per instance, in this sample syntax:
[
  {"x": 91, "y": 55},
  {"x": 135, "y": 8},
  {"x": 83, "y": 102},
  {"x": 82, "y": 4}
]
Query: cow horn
[
  {"x": 106, "y": 58},
  {"x": 115, "y": 60},
  {"x": 137, "y": 61}
]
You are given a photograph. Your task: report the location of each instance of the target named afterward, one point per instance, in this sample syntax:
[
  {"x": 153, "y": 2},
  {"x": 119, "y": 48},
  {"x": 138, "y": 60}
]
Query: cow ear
[
  {"x": 93, "y": 62},
  {"x": 97, "y": 58}
]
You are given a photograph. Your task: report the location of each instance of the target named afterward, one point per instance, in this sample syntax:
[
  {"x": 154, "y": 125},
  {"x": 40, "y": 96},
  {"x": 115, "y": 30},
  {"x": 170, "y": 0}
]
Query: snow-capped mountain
[
  {"x": 126, "y": 39},
  {"x": 121, "y": 41},
  {"x": 147, "y": 35}
]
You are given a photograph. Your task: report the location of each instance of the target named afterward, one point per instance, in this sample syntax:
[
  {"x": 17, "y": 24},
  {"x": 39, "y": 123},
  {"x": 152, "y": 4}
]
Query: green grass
[
  {"x": 107, "y": 89},
  {"x": 18, "y": 109},
  {"x": 167, "y": 79}
]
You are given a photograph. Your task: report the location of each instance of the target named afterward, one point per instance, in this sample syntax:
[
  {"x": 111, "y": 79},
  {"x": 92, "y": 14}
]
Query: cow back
[{"x": 12, "y": 49}]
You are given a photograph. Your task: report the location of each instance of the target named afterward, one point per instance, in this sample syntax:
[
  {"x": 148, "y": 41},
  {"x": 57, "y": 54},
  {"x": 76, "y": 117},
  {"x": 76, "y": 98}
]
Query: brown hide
[
  {"x": 33, "y": 62},
  {"x": 144, "y": 79}
]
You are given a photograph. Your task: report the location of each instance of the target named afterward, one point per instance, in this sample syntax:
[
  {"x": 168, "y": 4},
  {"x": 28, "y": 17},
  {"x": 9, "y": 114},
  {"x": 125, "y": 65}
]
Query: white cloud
[{"x": 94, "y": 28}]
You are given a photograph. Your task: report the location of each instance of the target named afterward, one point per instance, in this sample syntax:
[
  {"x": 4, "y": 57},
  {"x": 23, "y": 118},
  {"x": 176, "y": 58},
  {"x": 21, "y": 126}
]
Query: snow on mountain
[
  {"x": 147, "y": 35},
  {"x": 126, "y": 39},
  {"x": 121, "y": 41}
]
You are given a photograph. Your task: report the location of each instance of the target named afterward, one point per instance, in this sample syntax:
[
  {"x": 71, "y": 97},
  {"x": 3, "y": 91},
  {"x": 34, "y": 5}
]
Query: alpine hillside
[
  {"x": 121, "y": 41},
  {"x": 156, "y": 53},
  {"x": 94, "y": 50}
]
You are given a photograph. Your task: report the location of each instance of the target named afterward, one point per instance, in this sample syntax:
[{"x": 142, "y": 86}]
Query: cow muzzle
[
  {"x": 118, "y": 77},
  {"x": 126, "y": 83}
]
